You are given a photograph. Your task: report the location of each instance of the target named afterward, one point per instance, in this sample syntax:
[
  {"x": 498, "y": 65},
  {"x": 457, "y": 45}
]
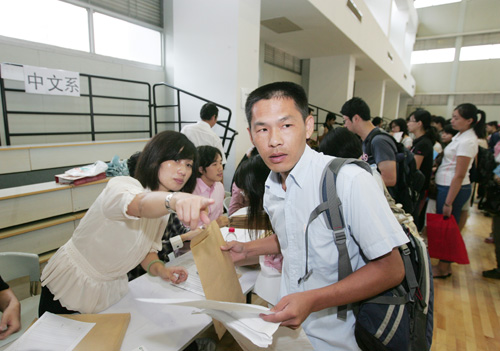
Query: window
[
  {"x": 480, "y": 52},
  {"x": 49, "y": 22},
  {"x": 432, "y": 56},
  {"x": 59, "y": 23},
  {"x": 427, "y": 3},
  {"x": 117, "y": 38}
]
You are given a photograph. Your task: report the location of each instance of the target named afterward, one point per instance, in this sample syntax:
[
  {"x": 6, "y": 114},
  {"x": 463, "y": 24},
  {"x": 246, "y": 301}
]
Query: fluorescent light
[
  {"x": 480, "y": 52},
  {"x": 427, "y": 3},
  {"x": 432, "y": 56}
]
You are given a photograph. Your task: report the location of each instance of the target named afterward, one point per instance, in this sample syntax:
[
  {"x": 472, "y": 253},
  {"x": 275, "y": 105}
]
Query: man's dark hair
[
  {"x": 439, "y": 120},
  {"x": 377, "y": 121},
  {"x": 356, "y": 106},
  {"x": 278, "y": 90},
  {"x": 493, "y": 124},
  {"x": 206, "y": 156},
  {"x": 341, "y": 142},
  {"x": 449, "y": 130},
  {"x": 165, "y": 146},
  {"x": 208, "y": 111}
]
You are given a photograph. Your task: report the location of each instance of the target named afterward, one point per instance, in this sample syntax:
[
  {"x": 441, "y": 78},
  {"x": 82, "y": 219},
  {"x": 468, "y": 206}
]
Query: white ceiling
[{"x": 319, "y": 36}]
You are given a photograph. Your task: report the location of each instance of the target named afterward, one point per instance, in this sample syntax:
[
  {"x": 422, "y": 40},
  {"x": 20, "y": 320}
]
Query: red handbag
[{"x": 444, "y": 239}]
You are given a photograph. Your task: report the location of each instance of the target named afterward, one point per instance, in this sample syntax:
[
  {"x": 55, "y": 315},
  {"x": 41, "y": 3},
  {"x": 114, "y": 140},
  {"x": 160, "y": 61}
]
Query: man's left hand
[{"x": 291, "y": 310}]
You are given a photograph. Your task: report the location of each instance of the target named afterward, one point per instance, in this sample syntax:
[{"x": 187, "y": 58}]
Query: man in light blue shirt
[{"x": 279, "y": 125}]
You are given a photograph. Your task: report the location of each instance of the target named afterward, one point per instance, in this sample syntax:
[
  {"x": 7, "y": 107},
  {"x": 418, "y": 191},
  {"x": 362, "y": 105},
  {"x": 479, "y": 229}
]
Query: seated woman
[
  {"x": 208, "y": 183},
  {"x": 123, "y": 228},
  {"x": 174, "y": 237}
]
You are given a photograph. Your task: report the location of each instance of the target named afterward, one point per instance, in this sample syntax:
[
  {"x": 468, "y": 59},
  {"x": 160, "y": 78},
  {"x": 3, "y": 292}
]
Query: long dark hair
[
  {"x": 165, "y": 146},
  {"x": 470, "y": 111},
  {"x": 251, "y": 176},
  {"x": 424, "y": 116},
  {"x": 329, "y": 117}
]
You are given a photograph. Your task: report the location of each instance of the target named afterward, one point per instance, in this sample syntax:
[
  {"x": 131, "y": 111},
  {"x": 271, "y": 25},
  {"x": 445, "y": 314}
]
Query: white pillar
[
  {"x": 391, "y": 104},
  {"x": 216, "y": 56},
  {"x": 373, "y": 93},
  {"x": 331, "y": 82}
]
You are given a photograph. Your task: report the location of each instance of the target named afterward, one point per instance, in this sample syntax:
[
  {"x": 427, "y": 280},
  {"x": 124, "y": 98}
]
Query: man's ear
[
  {"x": 309, "y": 122},
  {"x": 201, "y": 170},
  {"x": 250, "y": 135}
]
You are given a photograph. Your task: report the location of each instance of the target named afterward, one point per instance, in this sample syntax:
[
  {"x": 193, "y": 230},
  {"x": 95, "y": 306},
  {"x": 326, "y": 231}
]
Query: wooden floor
[{"x": 466, "y": 305}]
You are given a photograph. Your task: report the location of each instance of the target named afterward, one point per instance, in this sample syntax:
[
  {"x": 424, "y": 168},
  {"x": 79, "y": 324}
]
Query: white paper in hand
[{"x": 244, "y": 318}]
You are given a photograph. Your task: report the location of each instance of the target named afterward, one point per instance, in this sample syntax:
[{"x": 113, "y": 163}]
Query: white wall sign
[
  {"x": 39, "y": 80},
  {"x": 12, "y": 72}
]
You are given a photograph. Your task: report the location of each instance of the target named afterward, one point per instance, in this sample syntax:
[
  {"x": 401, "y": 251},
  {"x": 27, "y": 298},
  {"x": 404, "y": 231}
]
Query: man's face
[
  {"x": 279, "y": 133},
  {"x": 348, "y": 123}
]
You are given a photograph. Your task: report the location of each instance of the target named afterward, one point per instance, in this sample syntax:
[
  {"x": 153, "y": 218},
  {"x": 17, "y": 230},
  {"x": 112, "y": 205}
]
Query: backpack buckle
[
  {"x": 340, "y": 237},
  {"x": 305, "y": 277}
]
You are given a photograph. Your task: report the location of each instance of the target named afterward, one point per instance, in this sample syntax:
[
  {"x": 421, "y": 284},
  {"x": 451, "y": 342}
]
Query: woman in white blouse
[
  {"x": 452, "y": 176},
  {"x": 123, "y": 228}
]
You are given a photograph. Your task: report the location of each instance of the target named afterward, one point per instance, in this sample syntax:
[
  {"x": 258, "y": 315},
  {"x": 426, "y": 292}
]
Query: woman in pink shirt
[{"x": 209, "y": 182}]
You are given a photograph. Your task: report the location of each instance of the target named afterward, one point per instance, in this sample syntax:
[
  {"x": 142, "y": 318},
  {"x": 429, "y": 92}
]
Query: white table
[{"x": 165, "y": 327}]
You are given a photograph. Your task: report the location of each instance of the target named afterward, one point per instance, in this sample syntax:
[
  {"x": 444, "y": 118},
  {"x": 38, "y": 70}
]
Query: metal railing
[
  {"x": 91, "y": 113},
  {"x": 319, "y": 110},
  {"x": 177, "y": 106}
]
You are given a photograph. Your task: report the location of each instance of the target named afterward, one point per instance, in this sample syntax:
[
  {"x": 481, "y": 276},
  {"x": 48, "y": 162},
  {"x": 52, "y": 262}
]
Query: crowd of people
[{"x": 175, "y": 187}]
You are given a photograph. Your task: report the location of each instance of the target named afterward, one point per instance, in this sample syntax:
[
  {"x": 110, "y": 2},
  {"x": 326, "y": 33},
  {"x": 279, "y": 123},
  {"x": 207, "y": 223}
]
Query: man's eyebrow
[{"x": 281, "y": 119}]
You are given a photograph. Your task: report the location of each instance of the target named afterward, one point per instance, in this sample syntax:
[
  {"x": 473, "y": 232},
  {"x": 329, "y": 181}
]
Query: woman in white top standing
[
  {"x": 123, "y": 228},
  {"x": 452, "y": 176}
]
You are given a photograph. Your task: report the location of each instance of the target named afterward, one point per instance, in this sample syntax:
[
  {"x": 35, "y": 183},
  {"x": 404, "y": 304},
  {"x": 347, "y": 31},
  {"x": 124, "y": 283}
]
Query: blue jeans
[{"x": 462, "y": 196}]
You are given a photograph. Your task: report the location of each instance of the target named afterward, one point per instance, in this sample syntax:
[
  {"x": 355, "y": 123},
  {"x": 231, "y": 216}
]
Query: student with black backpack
[{"x": 394, "y": 161}]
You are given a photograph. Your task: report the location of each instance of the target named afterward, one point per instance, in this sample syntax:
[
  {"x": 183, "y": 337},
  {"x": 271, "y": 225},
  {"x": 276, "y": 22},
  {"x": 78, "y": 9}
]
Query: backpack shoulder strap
[
  {"x": 334, "y": 216},
  {"x": 369, "y": 139}
]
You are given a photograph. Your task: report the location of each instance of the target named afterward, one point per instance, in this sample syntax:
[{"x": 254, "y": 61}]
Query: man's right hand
[{"x": 236, "y": 249}]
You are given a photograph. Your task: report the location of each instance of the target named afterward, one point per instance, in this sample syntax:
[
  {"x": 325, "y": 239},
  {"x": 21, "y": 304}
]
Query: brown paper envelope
[
  {"x": 106, "y": 335},
  {"x": 216, "y": 269}
]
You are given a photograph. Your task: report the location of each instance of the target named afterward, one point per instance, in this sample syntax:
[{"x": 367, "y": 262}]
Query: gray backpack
[{"x": 400, "y": 318}]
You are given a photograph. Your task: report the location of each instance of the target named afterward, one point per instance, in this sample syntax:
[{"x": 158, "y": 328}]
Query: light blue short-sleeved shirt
[{"x": 368, "y": 220}]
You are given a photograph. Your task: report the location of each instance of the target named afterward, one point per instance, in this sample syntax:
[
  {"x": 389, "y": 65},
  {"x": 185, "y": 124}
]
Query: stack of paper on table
[{"x": 78, "y": 332}]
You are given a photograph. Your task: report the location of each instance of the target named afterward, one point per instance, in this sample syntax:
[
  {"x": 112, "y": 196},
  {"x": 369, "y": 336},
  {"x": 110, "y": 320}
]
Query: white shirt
[
  {"x": 462, "y": 144},
  {"x": 202, "y": 134},
  {"x": 368, "y": 219},
  {"x": 89, "y": 273}
]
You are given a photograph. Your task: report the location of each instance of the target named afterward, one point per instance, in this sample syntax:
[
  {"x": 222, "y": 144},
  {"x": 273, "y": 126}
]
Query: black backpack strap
[
  {"x": 410, "y": 278},
  {"x": 374, "y": 134}
]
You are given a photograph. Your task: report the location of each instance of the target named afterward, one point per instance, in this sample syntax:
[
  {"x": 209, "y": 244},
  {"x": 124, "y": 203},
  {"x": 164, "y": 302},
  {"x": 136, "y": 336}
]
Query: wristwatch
[{"x": 167, "y": 202}]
